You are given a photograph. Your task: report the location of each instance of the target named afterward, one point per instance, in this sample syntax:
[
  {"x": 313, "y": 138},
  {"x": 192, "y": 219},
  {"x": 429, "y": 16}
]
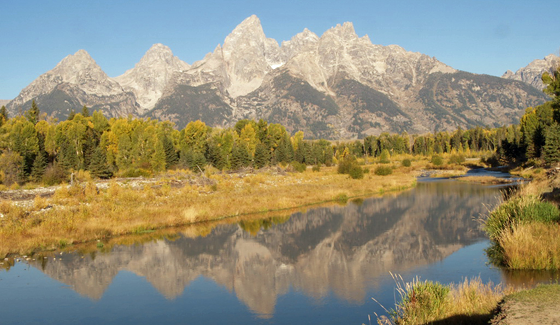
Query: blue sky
[{"x": 476, "y": 36}]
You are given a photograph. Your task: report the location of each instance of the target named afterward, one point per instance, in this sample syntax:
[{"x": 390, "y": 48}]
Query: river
[{"x": 322, "y": 266}]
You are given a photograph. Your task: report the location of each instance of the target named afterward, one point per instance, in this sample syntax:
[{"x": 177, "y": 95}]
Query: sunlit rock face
[
  {"x": 333, "y": 249},
  {"x": 149, "y": 77},
  {"x": 532, "y": 73}
]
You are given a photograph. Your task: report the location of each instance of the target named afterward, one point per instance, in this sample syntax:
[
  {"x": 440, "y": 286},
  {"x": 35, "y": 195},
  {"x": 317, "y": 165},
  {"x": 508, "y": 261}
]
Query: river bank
[
  {"x": 523, "y": 230},
  {"x": 46, "y": 219}
]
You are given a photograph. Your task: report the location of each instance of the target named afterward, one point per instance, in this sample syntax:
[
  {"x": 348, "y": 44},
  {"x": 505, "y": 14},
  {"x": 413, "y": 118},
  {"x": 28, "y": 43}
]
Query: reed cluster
[{"x": 427, "y": 302}]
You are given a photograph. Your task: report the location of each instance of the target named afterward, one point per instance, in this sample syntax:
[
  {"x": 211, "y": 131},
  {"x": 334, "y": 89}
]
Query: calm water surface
[{"x": 320, "y": 267}]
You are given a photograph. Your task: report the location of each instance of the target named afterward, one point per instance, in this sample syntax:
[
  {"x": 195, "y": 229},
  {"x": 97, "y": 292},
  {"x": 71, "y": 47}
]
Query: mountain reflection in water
[{"x": 329, "y": 249}]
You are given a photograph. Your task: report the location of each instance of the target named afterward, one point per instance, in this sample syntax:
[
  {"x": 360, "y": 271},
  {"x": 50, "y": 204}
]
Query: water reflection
[{"x": 332, "y": 249}]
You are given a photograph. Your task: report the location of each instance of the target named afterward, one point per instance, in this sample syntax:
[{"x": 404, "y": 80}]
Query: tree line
[
  {"x": 34, "y": 148},
  {"x": 537, "y": 140}
]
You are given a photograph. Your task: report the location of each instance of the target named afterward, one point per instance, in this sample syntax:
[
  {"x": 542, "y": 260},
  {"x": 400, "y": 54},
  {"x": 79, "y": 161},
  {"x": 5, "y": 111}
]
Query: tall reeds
[{"x": 427, "y": 302}]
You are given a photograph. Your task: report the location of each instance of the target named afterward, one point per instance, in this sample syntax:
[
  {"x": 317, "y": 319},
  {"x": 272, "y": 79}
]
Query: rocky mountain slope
[
  {"x": 532, "y": 73},
  {"x": 337, "y": 85}
]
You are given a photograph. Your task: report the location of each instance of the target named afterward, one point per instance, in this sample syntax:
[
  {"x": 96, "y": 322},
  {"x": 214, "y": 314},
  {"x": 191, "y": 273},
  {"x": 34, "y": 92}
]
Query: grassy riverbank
[
  {"x": 524, "y": 229},
  {"x": 92, "y": 211},
  {"x": 427, "y": 302},
  {"x": 472, "y": 302}
]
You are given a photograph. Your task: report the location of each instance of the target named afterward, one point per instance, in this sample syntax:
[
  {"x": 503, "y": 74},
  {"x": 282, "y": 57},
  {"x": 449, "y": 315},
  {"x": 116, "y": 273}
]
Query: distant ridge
[{"x": 532, "y": 73}]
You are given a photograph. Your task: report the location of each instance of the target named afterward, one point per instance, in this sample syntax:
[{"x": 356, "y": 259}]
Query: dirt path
[{"x": 537, "y": 306}]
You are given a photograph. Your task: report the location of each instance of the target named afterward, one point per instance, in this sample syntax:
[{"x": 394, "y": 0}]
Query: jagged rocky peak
[
  {"x": 160, "y": 53},
  {"x": 305, "y": 41},
  {"x": 249, "y": 55},
  {"x": 79, "y": 70},
  {"x": 151, "y": 74},
  {"x": 532, "y": 73}
]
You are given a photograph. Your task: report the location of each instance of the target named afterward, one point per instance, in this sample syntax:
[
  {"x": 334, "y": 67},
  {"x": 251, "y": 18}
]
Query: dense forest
[
  {"x": 41, "y": 150},
  {"x": 46, "y": 151}
]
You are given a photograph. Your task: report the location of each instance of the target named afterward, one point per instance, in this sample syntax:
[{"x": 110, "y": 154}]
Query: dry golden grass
[
  {"x": 532, "y": 246},
  {"x": 426, "y": 302},
  {"x": 485, "y": 180},
  {"x": 83, "y": 213}
]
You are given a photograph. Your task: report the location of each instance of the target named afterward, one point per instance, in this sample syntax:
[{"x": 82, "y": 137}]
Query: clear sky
[{"x": 480, "y": 36}]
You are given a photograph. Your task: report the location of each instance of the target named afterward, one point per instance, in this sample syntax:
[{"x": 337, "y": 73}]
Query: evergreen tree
[
  {"x": 240, "y": 157},
  {"x": 67, "y": 158},
  {"x": 85, "y": 111},
  {"x": 262, "y": 156},
  {"x": 171, "y": 157},
  {"x": 3, "y": 115},
  {"x": 71, "y": 115},
  {"x": 198, "y": 162},
  {"x": 551, "y": 149},
  {"x": 216, "y": 156},
  {"x": 32, "y": 114},
  {"x": 39, "y": 167},
  {"x": 98, "y": 166},
  {"x": 4, "y": 112},
  {"x": 309, "y": 157}
]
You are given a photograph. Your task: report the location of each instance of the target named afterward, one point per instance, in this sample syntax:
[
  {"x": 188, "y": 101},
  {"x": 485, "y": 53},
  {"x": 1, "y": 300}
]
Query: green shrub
[
  {"x": 383, "y": 170},
  {"x": 456, "y": 159},
  {"x": 316, "y": 168},
  {"x": 437, "y": 160},
  {"x": 341, "y": 198},
  {"x": 299, "y": 167},
  {"x": 366, "y": 170},
  {"x": 384, "y": 158},
  {"x": 356, "y": 172},
  {"x": 346, "y": 164},
  {"x": 406, "y": 163}
]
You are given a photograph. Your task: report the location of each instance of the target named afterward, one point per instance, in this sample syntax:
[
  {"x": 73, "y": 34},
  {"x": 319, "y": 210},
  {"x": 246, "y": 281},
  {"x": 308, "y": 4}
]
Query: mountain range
[{"x": 336, "y": 86}]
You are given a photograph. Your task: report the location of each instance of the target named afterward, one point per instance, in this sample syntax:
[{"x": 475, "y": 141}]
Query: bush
[
  {"x": 456, "y": 159},
  {"x": 437, "y": 160},
  {"x": 316, "y": 168},
  {"x": 54, "y": 175},
  {"x": 406, "y": 163},
  {"x": 384, "y": 157},
  {"x": 356, "y": 172},
  {"x": 346, "y": 164},
  {"x": 298, "y": 167},
  {"x": 383, "y": 170}
]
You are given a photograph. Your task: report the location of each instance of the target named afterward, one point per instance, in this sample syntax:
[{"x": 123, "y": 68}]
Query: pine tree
[
  {"x": 171, "y": 157},
  {"x": 39, "y": 167},
  {"x": 240, "y": 157},
  {"x": 85, "y": 111},
  {"x": 98, "y": 166},
  {"x": 262, "y": 156},
  {"x": 4, "y": 112},
  {"x": 71, "y": 115},
  {"x": 551, "y": 149},
  {"x": 3, "y": 115},
  {"x": 32, "y": 114}
]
